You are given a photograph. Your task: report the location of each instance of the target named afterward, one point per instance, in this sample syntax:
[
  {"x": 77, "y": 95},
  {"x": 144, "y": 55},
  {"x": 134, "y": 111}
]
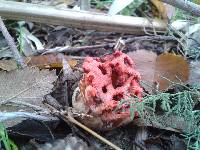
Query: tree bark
[{"x": 185, "y": 5}]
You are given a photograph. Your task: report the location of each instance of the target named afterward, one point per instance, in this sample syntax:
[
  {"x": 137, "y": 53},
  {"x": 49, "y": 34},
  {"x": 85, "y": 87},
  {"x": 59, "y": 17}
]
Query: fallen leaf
[
  {"x": 8, "y": 65},
  {"x": 153, "y": 68},
  {"x": 145, "y": 64},
  {"x": 49, "y": 61},
  {"x": 164, "y": 11},
  {"x": 173, "y": 67},
  {"x": 27, "y": 85}
]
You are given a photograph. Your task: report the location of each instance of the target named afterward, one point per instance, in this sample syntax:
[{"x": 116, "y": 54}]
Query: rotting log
[{"x": 80, "y": 19}]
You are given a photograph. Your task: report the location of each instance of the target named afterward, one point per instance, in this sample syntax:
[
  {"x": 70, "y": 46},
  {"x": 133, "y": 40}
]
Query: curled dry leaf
[
  {"x": 153, "y": 68},
  {"x": 49, "y": 61}
]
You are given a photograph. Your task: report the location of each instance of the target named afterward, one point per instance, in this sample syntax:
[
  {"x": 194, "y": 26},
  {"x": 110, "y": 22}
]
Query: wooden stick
[
  {"x": 69, "y": 118},
  {"x": 84, "y": 20},
  {"x": 185, "y": 5}
]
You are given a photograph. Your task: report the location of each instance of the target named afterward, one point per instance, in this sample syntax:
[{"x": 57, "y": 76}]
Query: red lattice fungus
[{"x": 105, "y": 82}]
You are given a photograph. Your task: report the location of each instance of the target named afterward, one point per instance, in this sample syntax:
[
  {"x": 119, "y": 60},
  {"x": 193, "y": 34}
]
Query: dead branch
[
  {"x": 107, "y": 45},
  {"x": 185, "y": 5},
  {"x": 11, "y": 44},
  {"x": 84, "y": 20}
]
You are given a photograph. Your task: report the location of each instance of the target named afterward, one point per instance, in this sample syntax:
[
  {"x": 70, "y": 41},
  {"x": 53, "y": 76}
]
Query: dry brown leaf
[
  {"x": 49, "y": 61},
  {"x": 163, "y": 10},
  {"x": 14, "y": 82},
  {"x": 173, "y": 67},
  {"x": 145, "y": 63},
  {"x": 8, "y": 65},
  {"x": 38, "y": 83},
  {"x": 153, "y": 68}
]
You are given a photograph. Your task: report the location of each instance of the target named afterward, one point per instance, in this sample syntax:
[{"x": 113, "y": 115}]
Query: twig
[
  {"x": 147, "y": 38},
  {"x": 185, "y": 5},
  {"x": 75, "y": 49},
  {"x": 11, "y": 44},
  {"x": 68, "y": 117},
  {"x": 107, "y": 45},
  {"x": 12, "y": 115},
  {"x": 71, "y": 119}
]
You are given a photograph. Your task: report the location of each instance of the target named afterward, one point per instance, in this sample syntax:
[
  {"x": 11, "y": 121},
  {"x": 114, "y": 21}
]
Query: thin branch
[
  {"x": 69, "y": 117},
  {"x": 149, "y": 38},
  {"x": 107, "y": 45},
  {"x": 185, "y": 5},
  {"x": 11, "y": 44},
  {"x": 74, "y": 49}
]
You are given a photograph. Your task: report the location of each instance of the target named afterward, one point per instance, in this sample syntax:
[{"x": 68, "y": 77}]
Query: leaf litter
[{"x": 151, "y": 66}]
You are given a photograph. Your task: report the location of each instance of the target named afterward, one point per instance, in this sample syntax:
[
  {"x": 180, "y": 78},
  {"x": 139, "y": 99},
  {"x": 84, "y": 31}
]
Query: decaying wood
[
  {"x": 11, "y": 43},
  {"x": 187, "y": 6},
  {"x": 84, "y": 20}
]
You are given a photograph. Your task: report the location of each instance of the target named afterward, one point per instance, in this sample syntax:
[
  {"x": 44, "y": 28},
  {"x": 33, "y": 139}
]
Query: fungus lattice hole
[
  {"x": 127, "y": 62},
  {"x": 118, "y": 97},
  {"x": 104, "y": 89},
  {"x": 115, "y": 79},
  {"x": 102, "y": 70}
]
